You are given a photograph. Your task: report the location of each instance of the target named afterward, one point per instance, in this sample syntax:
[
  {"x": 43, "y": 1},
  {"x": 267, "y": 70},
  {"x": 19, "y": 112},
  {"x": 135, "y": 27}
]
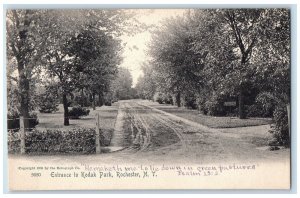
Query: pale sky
[{"x": 134, "y": 52}]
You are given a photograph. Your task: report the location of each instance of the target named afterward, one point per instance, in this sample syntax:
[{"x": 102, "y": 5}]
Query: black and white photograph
[{"x": 119, "y": 98}]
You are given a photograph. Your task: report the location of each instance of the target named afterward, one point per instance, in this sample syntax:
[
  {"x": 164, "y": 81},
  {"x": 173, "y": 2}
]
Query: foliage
[
  {"x": 121, "y": 86},
  {"x": 97, "y": 58},
  {"x": 264, "y": 106},
  {"x": 51, "y": 141},
  {"x": 77, "y": 111},
  {"x": 158, "y": 97},
  {"x": 48, "y": 100},
  {"x": 146, "y": 86},
  {"x": 26, "y": 40},
  {"x": 176, "y": 66},
  {"x": 281, "y": 128},
  {"x": 76, "y": 48},
  {"x": 163, "y": 98},
  {"x": 167, "y": 98},
  {"x": 79, "y": 140},
  {"x": 223, "y": 55},
  {"x": 188, "y": 100},
  {"x": 82, "y": 100}
]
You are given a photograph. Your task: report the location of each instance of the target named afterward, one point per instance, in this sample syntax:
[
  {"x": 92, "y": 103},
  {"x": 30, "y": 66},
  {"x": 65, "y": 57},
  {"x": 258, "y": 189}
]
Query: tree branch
[{"x": 236, "y": 31}]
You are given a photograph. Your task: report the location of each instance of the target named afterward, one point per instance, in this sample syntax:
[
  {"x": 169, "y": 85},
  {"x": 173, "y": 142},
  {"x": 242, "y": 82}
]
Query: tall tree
[
  {"x": 147, "y": 84},
  {"x": 98, "y": 56},
  {"x": 70, "y": 66},
  {"x": 25, "y": 44},
  {"x": 245, "y": 27},
  {"x": 238, "y": 42},
  {"x": 121, "y": 86},
  {"x": 178, "y": 66}
]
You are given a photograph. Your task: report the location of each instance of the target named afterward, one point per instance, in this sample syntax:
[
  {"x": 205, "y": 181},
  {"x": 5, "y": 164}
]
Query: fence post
[
  {"x": 98, "y": 149},
  {"x": 22, "y": 134}
]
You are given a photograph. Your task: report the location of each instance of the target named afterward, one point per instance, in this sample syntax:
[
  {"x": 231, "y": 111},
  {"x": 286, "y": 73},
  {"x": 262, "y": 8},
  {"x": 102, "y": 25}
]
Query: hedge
[
  {"x": 77, "y": 140},
  {"x": 78, "y": 111}
]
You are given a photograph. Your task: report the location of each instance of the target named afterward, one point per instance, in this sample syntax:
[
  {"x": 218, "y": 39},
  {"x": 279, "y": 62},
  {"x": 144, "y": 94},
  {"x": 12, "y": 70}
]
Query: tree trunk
[
  {"x": 100, "y": 100},
  {"x": 241, "y": 104},
  {"x": 66, "y": 110},
  {"x": 178, "y": 102},
  {"x": 82, "y": 98},
  {"x": 93, "y": 102},
  {"x": 24, "y": 103},
  {"x": 22, "y": 62},
  {"x": 241, "y": 95}
]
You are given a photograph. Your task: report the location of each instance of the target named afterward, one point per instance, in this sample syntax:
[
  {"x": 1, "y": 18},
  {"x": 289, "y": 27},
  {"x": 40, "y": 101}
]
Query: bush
[
  {"x": 78, "y": 111},
  {"x": 200, "y": 100},
  {"x": 280, "y": 129},
  {"x": 13, "y": 121},
  {"x": 163, "y": 98},
  {"x": 189, "y": 101},
  {"x": 158, "y": 97},
  {"x": 257, "y": 110},
  {"x": 77, "y": 140},
  {"x": 215, "y": 106},
  {"x": 57, "y": 141},
  {"x": 264, "y": 106},
  {"x": 81, "y": 100},
  {"x": 107, "y": 103},
  {"x": 47, "y": 104},
  {"x": 167, "y": 99},
  {"x": 49, "y": 100}
]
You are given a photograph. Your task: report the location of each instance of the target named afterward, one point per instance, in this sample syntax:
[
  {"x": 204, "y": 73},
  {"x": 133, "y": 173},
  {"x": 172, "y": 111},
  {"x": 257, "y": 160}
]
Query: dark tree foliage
[{"x": 208, "y": 57}]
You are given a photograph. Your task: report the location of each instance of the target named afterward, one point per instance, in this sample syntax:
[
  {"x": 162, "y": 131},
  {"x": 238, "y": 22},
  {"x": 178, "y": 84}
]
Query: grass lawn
[
  {"x": 210, "y": 121},
  {"x": 55, "y": 120}
]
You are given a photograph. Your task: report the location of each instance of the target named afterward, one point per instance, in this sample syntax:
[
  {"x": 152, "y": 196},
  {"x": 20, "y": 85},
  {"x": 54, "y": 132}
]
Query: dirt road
[{"x": 156, "y": 135}]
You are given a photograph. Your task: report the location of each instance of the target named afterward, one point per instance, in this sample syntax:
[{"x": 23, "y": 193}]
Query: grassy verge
[
  {"x": 55, "y": 120},
  {"x": 210, "y": 121}
]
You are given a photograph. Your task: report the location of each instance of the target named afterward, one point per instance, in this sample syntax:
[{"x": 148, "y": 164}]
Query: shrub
[
  {"x": 213, "y": 104},
  {"x": 57, "y": 141},
  {"x": 47, "y": 104},
  {"x": 167, "y": 99},
  {"x": 200, "y": 100},
  {"x": 107, "y": 103},
  {"x": 280, "y": 129},
  {"x": 189, "y": 101},
  {"x": 48, "y": 100},
  {"x": 51, "y": 141},
  {"x": 163, "y": 98},
  {"x": 257, "y": 110},
  {"x": 13, "y": 121},
  {"x": 215, "y": 107},
  {"x": 158, "y": 97},
  {"x": 264, "y": 106},
  {"x": 81, "y": 100},
  {"x": 78, "y": 111}
]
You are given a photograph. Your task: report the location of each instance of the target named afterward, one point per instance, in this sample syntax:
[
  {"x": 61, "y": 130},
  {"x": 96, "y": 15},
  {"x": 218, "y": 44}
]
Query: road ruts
[{"x": 150, "y": 130}]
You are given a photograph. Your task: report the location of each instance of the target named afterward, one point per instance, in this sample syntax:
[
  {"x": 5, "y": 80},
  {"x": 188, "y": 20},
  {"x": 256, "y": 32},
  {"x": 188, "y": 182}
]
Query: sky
[{"x": 134, "y": 53}]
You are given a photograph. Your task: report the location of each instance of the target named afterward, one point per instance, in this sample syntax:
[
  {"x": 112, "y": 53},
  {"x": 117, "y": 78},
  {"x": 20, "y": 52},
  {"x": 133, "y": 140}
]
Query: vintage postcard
[{"x": 148, "y": 98}]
